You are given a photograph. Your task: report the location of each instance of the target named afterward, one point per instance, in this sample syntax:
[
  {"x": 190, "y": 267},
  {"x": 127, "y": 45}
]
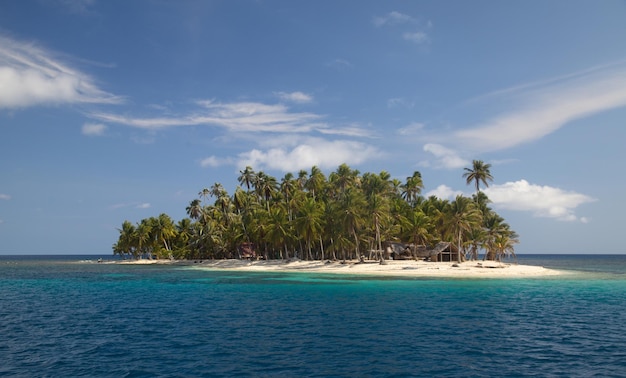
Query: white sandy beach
[{"x": 405, "y": 268}]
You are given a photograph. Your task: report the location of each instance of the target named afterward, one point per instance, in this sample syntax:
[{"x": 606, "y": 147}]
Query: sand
[{"x": 404, "y": 268}]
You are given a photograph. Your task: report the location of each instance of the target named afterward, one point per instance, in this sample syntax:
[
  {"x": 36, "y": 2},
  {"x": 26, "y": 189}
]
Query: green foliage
[{"x": 312, "y": 216}]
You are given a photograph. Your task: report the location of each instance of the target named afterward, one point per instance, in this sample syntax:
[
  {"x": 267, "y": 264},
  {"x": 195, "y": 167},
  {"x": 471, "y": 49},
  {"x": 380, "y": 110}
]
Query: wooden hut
[
  {"x": 247, "y": 251},
  {"x": 446, "y": 252}
]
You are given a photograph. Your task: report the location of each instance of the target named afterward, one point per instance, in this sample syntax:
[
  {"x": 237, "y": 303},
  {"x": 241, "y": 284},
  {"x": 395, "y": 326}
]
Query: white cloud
[
  {"x": 539, "y": 109},
  {"x": 93, "y": 129},
  {"x": 136, "y": 205},
  {"x": 399, "y": 102},
  {"x": 392, "y": 18},
  {"x": 314, "y": 151},
  {"x": 446, "y": 158},
  {"x": 75, "y": 6},
  {"x": 297, "y": 97},
  {"x": 443, "y": 192},
  {"x": 543, "y": 201},
  {"x": 32, "y": 76},
  {"x": 353, "y": 130},
  {"x": 416, "y": 37},
  {"x": 411, "y": 129},
  {"x": 339, "y": 64},
  {"x": 238, "y": 117},
  {"x": 214, "y": 161},
  {"x": 5, "y": 197}
]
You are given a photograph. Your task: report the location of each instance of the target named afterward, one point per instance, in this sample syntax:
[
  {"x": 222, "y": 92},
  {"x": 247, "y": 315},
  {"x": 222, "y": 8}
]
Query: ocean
[{"x": 64, "y": 316}]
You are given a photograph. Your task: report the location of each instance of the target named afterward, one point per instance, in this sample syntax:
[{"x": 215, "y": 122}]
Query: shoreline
[{"x": 399, "y": 268}]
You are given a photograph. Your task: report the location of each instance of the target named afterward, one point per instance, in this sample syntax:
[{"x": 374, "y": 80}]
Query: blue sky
[{"x": 122, "y": 110}]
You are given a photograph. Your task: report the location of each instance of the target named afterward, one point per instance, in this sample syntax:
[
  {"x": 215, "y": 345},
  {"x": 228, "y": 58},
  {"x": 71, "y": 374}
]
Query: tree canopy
[{"x": 314, "y": 216}]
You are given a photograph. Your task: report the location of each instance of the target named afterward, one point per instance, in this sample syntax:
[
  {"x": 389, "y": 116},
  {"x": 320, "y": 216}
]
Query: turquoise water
[{"x": 65, "y": 316}]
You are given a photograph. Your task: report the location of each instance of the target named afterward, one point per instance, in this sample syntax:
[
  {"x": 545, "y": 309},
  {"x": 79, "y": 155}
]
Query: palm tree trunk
[{"x": 458, "y": 254}]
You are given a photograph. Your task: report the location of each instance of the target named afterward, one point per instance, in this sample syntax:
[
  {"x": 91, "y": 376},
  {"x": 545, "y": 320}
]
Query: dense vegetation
[{"x": 312, "y": 216}]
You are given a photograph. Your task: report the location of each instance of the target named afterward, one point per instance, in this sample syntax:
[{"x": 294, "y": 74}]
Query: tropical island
[{"x": 347, "y": 216}]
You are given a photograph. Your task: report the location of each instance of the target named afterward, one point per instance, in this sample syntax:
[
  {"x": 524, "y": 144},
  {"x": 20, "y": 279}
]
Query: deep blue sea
[{"x": 68, "y": 316}]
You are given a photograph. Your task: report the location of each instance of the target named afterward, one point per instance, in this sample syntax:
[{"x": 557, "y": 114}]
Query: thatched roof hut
[{"x": 446, "y": 251}]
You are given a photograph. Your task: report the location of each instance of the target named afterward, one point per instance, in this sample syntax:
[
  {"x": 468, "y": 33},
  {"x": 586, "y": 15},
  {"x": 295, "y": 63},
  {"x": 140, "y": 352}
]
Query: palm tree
[
  {"x": 462, "y": 216},
  {"x": 126, "y": 243},
  {"x": 343, "y": 178},
  {"x": 194, "y": 210},
  {"x": 265, "y": 186},
  {"x": 435, "y": 208},
  {"x": 164, "y": 230},
  {"x": 204, "y": 194},
  {"x": 247, "y": 177},
  {"x": 279, "y": 231},
  {"x": 352, "y": 207},
  {"x": 184, "y": 231},
  {"x": 418, "y": 227},
  {"x": 145, "y": 242},
  {"x": 412, "y": 188},
  {"x": 343, "y": 214},
  {"x": 378, "y": 210},
  {"x": 308, "y": 222},
  {"x": 316, "y": 181},
  {"x": 477, "y": 174}
]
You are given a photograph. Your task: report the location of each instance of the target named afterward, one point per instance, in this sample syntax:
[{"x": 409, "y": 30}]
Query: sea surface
[{"x": 69, "y": 316}]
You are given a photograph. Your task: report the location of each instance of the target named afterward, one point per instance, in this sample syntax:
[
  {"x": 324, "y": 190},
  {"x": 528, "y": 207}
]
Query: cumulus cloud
[
  {"x": 443, "y": 192},
  {"x": 392, "y": 18},
  {"x": 5, "y": 197},
  {"x": 313, "y": 151},
  {"x": 143, "y": 206},
  {"x": 297, "y": 97},
  {"x": 93, "y": 129},
  {"x": 32, "y": 76},
  {"x": 445, "y": 157},
  {"x": 538, "y": 109},
  {"x": 543, "y": 201}
]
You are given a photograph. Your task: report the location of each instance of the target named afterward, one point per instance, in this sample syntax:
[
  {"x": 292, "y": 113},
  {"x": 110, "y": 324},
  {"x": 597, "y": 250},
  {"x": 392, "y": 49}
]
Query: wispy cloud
[
  {"x": 136, "y": 205},
  {"x": 396, "y": 18},
  {"x": 296, "y": 97},
  {"x": 353, "y": 130},
  {"x": 392, "y": 18},
  {"x": 32, "y": 76},
  {"x": 540, "y": 109},
  {"x": 75, "y": 6},
  {"x": 5, "y": 197},
  {"x": 237, "y": 117},
  {"x": 93, "y": 129},
  {"x": 411, "y": 129},
  {"x": 400, "y": 102},
  {"x": 542, "y": 201},
  {"x": 339, "y": 64},
  {"x": 214, "y": 161},
  {"x": 416, "y": 37}
]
